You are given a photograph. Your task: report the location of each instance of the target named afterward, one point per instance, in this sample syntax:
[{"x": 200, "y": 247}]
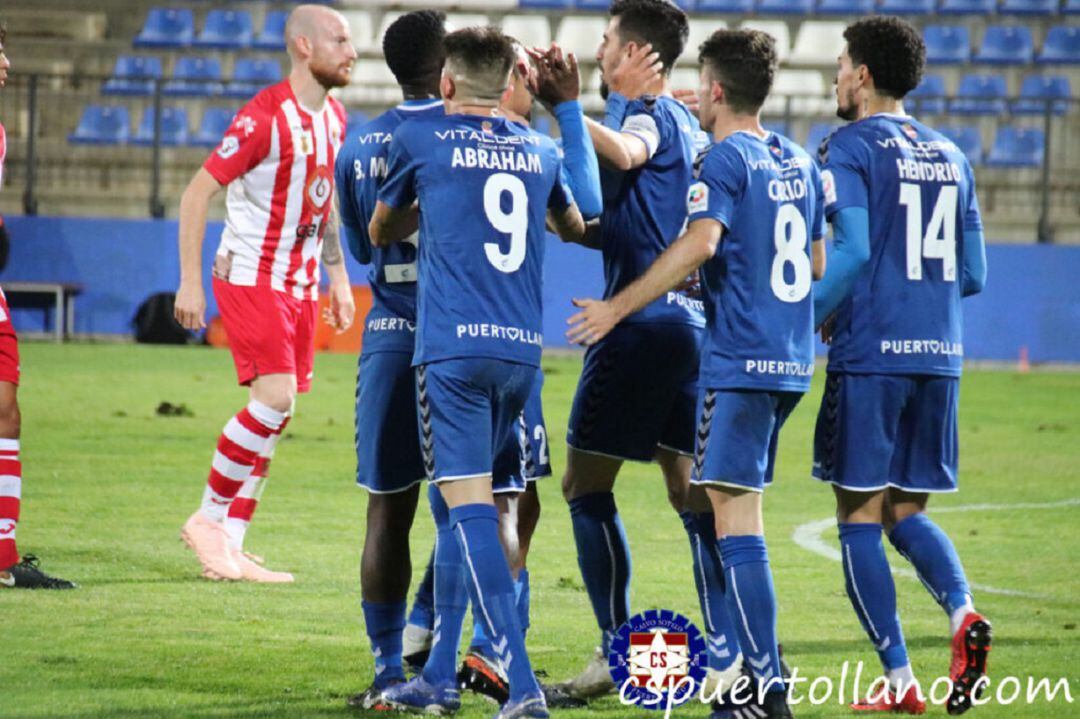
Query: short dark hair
[
  {"x": 744, "y": 63},
  {"x": 480, "y": 58},
  {"x": 413, "y": 46},
  {"x": 660, "y": 23},
  {"x": 892, "y": 50}
]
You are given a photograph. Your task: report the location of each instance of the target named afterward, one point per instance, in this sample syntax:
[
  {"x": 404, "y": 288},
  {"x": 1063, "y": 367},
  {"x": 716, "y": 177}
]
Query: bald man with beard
[{"x": 277, "y": 163}]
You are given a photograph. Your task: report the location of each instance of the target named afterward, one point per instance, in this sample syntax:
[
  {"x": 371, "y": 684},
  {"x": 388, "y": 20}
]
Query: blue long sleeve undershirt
[
  {"x": 974, "y": 278},
  {"x": 579, "y": 159}
]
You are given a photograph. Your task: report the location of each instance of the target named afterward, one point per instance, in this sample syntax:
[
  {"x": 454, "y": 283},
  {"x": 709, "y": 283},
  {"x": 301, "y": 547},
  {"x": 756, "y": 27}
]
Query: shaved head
[{"x": 319, "y": 37}]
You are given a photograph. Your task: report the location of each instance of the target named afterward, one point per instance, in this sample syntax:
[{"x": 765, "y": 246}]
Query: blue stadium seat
[
  {"x": 226, "y": 30},
  {"x": 1017, "y": 147},
  {"x": 947, "y": 44},
  {"x": 215, "y": 121},
  {"x": 1071, "y": 7},
  {"x": 1037, "y": 91},
  {"x": 817, "y": 134},
  {"x": 102, "y": 125},
  {"x": 968, "y": 139},
  {"x": 133, "y": 75},
  {"x": 906, "y": 7},
  {"x": 195, "y": 76},
  {"x": 174, "y": 127},
  {"x": 167, "y": 27},
  {"x": 355, "y": 120},
  {"x": 1006, "y": 45},
  {"x": 980, "y": 95},
  {"x": 1062, "y": 46},
  {"x": 929, "y": 97},
  {"x": 730, "y": 6},
  {"x": 272, "y": 36},
  {"x": 845, "y": 7},
  {"x": 546, "y": 4},
  {"x": 592, "y": 4},
  {"x": 250, "y": 76},
  {"x": 1028, "y": 7},
  {"x": 785, "y": 7},
  {"x": 967, "y": 7}
]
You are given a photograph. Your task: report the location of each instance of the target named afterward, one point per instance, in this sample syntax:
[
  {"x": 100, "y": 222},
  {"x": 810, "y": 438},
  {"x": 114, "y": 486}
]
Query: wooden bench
[{"x": 64, "y": 308}]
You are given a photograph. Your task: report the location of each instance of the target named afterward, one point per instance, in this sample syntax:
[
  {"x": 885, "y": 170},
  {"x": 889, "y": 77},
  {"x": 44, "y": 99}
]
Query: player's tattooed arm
[
  {"x": 597, "y": 318},
  {"x": 331, "y": 243},
  {"x": 390, "y": 224},
  {"x": 568, "y": 224},
  {"x": 590, "y": 237}
]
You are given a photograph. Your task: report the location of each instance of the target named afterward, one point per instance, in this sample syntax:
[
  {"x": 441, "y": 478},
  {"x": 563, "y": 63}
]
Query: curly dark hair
[
  {"x": 892, "y": 50},
  {"x": 744, "y": 63},
  {"x": 413, "y": 46},
  {"x": 660, "y": 23}
]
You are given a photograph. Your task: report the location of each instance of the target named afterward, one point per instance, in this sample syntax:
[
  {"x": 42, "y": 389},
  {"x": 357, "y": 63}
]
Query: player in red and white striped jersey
[
  {"x": 13, "y": 572},
  {"x": 277, "y": 160}
]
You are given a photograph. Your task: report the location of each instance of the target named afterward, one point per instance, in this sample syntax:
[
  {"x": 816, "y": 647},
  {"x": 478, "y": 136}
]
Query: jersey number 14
[{"x": 939, "y": 240}]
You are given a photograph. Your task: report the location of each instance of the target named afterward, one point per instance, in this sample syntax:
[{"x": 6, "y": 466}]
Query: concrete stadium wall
[{"x": 1032, "y": 298}]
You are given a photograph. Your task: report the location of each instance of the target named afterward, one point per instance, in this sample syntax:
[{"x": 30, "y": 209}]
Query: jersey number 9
[{"x": 514, "y": 223}]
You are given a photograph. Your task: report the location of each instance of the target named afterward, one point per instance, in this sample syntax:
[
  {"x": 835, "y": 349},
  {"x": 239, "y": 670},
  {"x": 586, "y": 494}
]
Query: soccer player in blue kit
[
  {"x": 635, "y": 399},
  {"x": 754, "y": 228},
  {"x": 909, "y": 245},
  {"x": 478, "y": 337},
  {"x": 389, "y": 464}
]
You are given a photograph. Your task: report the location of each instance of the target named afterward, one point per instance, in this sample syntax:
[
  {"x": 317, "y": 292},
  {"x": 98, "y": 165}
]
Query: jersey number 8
[{"x": 789, "y": 236}]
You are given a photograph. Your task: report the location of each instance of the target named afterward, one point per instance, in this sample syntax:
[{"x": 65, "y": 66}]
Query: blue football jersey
[
  {"x": 643, "y": 208},
  {"x": 359, "y": 172},
  {"x": 484, "y": 185},
  {"x": 903, "y": 314},
  {"x": 758, "y": 288}
]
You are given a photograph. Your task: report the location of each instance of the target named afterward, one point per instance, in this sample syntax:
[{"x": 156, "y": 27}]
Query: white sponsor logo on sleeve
[
  {"x": 828, "y": 186},
  {"x": 229, "y": 147}
]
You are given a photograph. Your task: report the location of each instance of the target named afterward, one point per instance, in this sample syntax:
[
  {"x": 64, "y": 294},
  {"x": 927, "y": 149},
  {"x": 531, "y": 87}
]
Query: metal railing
[{"x": 41, "y": 110}]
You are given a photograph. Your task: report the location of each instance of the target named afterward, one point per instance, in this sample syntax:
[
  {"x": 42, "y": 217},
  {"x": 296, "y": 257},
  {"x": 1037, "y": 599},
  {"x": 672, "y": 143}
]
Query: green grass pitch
[{"x": 108, "y": 484}]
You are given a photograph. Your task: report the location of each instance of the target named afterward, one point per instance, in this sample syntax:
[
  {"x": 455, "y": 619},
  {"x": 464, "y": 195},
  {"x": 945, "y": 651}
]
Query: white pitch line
[{"x": 808, "y": 536}]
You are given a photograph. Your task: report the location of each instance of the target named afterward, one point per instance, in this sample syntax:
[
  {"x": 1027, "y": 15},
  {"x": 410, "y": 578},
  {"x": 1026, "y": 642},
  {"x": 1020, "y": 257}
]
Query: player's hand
[
  {"x": 688, "y": 98},
  {"x": 596, "y": 319},
  {"x": 691, "y": 286},
  {"x": 557, "y": 79},
  {"x": 638, "y": 71},
  {"x": 342, "y": 309},
  {"x": 189, "y": 309},
  {"x": 827, "y": 328}
]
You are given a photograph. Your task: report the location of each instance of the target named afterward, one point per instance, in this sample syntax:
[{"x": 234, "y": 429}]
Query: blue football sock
[
  {"x": 476, "y": 527},
  {"x": 604, "y": 558},
  {"x": 870, "y": 588},
  {"x": 422, "y": 613},
  {"x": 521, "y": 595},
  {"x": 934, "y": 557},
  {"x": 384, "y": 622},
  {"x": 751, "y": 603},
  {"x": 451, "y": 598},
  {"x": 480, "y": 641},
  {"x": 721, "y": 638}
]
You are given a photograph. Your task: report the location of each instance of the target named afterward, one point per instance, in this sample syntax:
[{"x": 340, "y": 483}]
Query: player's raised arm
[
  {"x": 390, "y": 224},
  {"x": 636, "y": 139},
  {"x": 190, "y": 306},
  {"x": 598, "y": 317},
  {"x": 396, "y": 215}
]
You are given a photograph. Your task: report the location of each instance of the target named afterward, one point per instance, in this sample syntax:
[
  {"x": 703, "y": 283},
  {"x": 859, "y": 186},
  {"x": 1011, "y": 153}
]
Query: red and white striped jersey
[{"x": 278, "y": 160}]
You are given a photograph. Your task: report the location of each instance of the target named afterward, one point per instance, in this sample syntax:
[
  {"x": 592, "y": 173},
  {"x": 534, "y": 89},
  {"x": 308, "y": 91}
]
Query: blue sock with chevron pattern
[
  {"x": 722, "y": 640},
  {"x": 870, "y": 588},
  {"x": 451, "y": 596},
  {"x": 476, "y": 527},
  {"x": 751, "y": 602}
]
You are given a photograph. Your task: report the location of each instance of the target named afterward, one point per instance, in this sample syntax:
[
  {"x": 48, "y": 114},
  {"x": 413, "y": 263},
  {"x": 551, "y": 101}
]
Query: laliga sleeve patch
[
  {"x": 828, "y": 186},
  {"x": 229, "y": 147},
  {"x": 697, "y": 198}
]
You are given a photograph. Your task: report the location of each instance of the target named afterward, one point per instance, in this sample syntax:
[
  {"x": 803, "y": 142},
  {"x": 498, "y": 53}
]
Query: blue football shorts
[
  {"x": 737, "y": 436},
  {"x": 638, "y": 392},
  {"x": 388, "y": 455},
  {"x": 469, "y": 412},
  {"x": 878, "y": 431}
]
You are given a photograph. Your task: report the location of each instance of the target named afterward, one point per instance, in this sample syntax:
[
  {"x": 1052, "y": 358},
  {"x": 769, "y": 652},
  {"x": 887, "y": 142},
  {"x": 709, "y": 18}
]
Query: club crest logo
[
  {"x": 486, "y": 127},
  {"x": 319, "y": 188},
  {"x": 657, "y": 659},
  {"x": 910, "y": 131},
  {"x": 229, "y": 147}
]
